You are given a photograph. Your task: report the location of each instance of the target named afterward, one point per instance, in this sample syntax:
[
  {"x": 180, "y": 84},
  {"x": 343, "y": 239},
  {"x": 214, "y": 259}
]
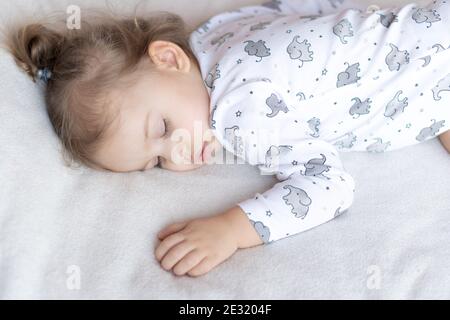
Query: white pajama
[{"x": 294, "y": 82}]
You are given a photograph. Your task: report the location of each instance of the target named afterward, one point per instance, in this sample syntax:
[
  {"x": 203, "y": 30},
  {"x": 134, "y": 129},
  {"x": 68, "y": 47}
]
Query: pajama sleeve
[
  {"x": 256, "y": 123},
  {"x": 313, "y": 189},
  {"x": 314, "y": 7}
]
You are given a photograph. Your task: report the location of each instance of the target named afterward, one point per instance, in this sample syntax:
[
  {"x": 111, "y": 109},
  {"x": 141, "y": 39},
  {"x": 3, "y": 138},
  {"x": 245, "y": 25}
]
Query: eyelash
[
  {"x": 166, "y": 132},
  {"x": 166, "y": 127}
]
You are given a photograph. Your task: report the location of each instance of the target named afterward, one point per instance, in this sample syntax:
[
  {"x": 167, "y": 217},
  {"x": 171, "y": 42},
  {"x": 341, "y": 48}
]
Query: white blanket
[{"x": 72, "y": 234}]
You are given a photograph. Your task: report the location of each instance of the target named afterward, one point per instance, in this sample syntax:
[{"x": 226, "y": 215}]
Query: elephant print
[
  {"x": 314, "y": 124},
  {"x": 276, "y": 105},
  {"x": 396, "y": 106},
  {"x": 299, "y": 200},
  {"x": 260, "y": 26},
  {"x": 443, "y": 85},
  {"x": 212, "y": 76},
  {"x": 388, "y": 19},
  {"x": 235, "y": 140},
  {"x": 274, "y": 153},
  {"x": 349, "y": 76},
  {"x": 316, "y": 167},
  {"x": 258, "y": 49},
  {"x": 426, "y": 16},
  {"x": 378, "y": 146},
  {"x": 343, "y": 29},
  {"x": 347, "y": 142},
  {"x": 212, "y": 123},
  {"x": 300, "y": 50},
  {"x": 359, "y": 108},
  {"x": 430, "y": 131},
  {"x": 262, "y": 230},
  {"x": 274, "y": 5},
  {"x": 396, "y": 58}
]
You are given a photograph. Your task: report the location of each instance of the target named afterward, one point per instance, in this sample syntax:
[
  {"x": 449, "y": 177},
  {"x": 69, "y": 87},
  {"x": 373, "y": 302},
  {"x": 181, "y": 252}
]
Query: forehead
[{"x": 123, "y": 143}]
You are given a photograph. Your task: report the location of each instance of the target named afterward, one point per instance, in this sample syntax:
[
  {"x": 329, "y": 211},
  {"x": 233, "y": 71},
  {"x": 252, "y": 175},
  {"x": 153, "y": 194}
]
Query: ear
[{"x": 168, "y": 55}]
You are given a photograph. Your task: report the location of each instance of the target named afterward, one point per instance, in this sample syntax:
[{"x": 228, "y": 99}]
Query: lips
[
  {"x": 199, "y": 158},
  {"x": 202, "y": 155}
]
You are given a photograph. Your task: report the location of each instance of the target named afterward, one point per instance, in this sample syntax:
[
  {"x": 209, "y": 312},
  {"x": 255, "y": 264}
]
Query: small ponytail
[{"x": 35, "y": 47}]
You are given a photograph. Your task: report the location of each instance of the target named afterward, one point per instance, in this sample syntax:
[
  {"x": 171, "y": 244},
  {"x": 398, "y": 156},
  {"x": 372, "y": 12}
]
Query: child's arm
[{"x": 246, "y": 235}]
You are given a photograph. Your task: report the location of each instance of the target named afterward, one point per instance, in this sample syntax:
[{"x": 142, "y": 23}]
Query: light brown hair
[{"x": 86, "y": 64}]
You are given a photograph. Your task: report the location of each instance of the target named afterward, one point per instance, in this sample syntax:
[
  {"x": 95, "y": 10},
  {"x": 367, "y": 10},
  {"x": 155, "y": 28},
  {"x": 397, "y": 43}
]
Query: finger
[
  {"x": 168, "y": 243},
  {"x": 200, "y": 269},
  {"x": 174, "y": 227},
  {"x": 176, "y": 253},
  {"x": 189, "y": 261}
]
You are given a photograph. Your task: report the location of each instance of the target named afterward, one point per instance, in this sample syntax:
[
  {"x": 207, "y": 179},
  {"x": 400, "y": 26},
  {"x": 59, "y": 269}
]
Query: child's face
[{"x": 175, "y": 96}]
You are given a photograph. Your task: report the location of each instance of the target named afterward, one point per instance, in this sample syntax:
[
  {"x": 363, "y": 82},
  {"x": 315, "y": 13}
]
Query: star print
[
  {"x": 239, "y": 61},
  {"x": 408, "y": 125},
  {"x": 324, "y": 72},
  {"x": 294, "y": 163},
  {"x": 268, "y": 213},
  {"x": 238, "y": 114}
]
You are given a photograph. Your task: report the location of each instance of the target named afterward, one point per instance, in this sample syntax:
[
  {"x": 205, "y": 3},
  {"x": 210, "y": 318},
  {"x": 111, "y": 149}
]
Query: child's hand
[{"x": 196, "y": 246}]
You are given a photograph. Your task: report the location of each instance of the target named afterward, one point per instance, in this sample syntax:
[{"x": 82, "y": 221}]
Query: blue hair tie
[{"x": 44, "y": 74}]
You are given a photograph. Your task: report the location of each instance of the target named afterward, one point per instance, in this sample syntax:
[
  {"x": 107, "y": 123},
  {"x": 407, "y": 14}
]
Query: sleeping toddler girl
[{"x": 285, "y": 86}]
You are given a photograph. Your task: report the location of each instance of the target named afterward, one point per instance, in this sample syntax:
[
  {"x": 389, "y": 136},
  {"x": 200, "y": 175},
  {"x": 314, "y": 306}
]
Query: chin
[{"x": 181, "y": 168}]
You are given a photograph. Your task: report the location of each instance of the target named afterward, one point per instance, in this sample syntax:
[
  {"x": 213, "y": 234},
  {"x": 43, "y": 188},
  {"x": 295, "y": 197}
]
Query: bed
[{"x": 82, "y": 234}]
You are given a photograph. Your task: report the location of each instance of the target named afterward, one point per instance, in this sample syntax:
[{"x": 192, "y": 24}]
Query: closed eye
[
  {"x": 166, "y": 127},
  {"x": 165, "y": 135}
]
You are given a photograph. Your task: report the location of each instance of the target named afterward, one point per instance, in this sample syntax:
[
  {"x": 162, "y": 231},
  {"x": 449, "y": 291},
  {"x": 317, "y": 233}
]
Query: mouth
[
  {"x": 204, "y": 151},
  {"x": 201, "y": 156}
]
